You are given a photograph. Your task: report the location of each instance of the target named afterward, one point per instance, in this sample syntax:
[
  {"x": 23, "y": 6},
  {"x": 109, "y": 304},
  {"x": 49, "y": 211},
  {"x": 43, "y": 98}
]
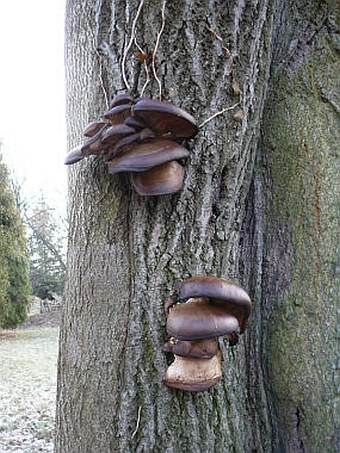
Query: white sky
[{"x": 32, "y": 112}]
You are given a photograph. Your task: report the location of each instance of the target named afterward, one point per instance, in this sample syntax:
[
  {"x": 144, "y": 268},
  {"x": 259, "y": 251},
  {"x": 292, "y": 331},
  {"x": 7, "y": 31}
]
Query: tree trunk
[{"x": 260, "y": 205}]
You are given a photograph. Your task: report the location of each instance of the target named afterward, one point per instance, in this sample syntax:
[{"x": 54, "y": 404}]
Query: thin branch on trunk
[
  {"x": 132, "y": 39},
  {"x": 227, "y": 109},
  {"x": 154, "y": 54}
]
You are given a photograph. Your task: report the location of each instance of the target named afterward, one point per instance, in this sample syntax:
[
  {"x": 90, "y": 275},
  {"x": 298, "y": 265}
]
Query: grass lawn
[{"x": 28, "y": 376}]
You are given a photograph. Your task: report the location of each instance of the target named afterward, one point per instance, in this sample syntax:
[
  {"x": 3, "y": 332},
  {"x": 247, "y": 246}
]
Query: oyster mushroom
[
  {"x": 165, "y": 119},
  {"x": 118, "y": 114},
  {"x": 211, "y": 308},
  {"x": 113, "y": 134},
  {"x": 220, "y": 292},
  {"x": 194, "y": 375},
  {"x": 198, "y": 319},
  {"x": 94, "y": 127},
  {"x": 200, "y": 349},
  {"x": 121, "y": 99},
  {"x": 140, "y": 136},
  {"x": 144, "y": 156},
  {"x": 161, "y": 180}
]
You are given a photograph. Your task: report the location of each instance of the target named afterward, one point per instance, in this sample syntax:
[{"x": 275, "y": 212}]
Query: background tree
[
  {"x": 260, "y": 205},
  {"x": 46, "y": 234},
  {"x": 14, "y": 282},
  {"x": 47, "y": 250}
]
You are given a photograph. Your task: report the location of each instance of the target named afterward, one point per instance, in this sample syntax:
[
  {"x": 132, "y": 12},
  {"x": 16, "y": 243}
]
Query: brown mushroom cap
[
  {"x": 93, "y": 128},
  {"x": 161, "y": 180},
  {"x": 73, "y": 156},
  {"x": 222, "y": 292},
  {"x": 165, "y": 118},
  {"x": 113, "y": 134},
  {"x": 200, "y": 349},
  {"x": 135, "y": 122},
  {"x": 93, "y": 145},
  {"x": 118, "y": 114},
  {"x": 121, "y": 99},
  {"x": 198, "y": 319},
  {"x": 147, "y": 155},
  {"x": 195, "y": 375},
  {"x": 127, "y": 143}
]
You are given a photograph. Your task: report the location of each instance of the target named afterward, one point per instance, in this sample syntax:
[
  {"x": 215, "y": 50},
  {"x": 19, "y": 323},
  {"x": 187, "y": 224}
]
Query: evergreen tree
[{"x": 14, "y": 281}]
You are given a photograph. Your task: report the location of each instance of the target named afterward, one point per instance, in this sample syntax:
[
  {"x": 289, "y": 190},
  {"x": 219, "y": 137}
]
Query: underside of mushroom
[{"x": 194, "y": 375}]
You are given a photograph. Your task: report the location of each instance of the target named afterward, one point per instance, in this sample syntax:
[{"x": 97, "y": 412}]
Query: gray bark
[{"x": 259, "y": 205}]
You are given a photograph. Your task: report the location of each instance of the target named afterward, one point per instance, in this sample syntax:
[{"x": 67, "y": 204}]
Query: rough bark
[{"x": 259, "y": 205}]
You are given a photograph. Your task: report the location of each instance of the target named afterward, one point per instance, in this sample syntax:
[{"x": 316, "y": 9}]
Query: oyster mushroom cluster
[
  {"x": 141, "y": 136},
  {"x": 211, "y": 308}
]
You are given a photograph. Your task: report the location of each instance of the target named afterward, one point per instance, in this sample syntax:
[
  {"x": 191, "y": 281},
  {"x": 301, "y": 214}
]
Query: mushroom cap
[
  {"x": 121, "y": 99},
  {"x": 73, "y": 156},
  {"x": 199, "y": 319},
  {"x": 165, "y": 118},
  {"x": 113, "y": 134},
  {"x": 94, "y": 127},
  {"x": 161, "y": 180},
  {"x": 223, "y": 292},
  {"x": 118, "y": 114},
  {"x": 135, "y": 122},
  {"x": 127, "y": 143},
  {"x": 195, "y": 375},
  {"x": 200, "y": 349},
  {"x": 92, "y": 145},
  {"x": 147, "y": 155}
]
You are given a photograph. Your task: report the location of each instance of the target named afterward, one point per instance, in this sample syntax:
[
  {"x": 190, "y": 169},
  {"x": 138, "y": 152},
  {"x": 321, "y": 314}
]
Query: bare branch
[
  {"x": 145, "y": 65},
  {"x": 227, "y": 109},
  {"x": 156, "y": 49},
  {"x": 132, "y": 39},
  {"x": 227, "y": 52}
]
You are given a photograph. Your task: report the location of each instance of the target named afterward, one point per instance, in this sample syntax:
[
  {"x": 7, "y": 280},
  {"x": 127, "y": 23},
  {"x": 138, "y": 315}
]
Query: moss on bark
[{"x": 302, "y": 166}]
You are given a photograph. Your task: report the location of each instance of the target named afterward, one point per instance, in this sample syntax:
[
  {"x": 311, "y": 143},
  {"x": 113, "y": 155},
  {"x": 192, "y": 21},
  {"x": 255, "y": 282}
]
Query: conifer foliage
[{"x": 14, "y": 261}]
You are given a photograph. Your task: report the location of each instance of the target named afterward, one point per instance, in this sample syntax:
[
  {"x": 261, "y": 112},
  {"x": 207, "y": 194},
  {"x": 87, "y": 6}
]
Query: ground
[
  {"x": 28, "y": 376},
  {"x": 47, "y": 319}
]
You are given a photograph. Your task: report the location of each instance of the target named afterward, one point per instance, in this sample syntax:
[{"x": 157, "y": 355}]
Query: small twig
[
  {"x": 227, "y": 109},
  {"x": 221, "y": 41},
  {"x": 156, "y": 49},
  {"x": 132, "y": 38},
  {"x": 101, "y": 79},
  {"x": 138, "y": 421},
  {"x": 145, "y": 65},
  {"x": 235, "y": 86},
  {"x": 100, "y": 60},
  {"x": 227, "y": 51},
  {"x": 147, "y": 77}
]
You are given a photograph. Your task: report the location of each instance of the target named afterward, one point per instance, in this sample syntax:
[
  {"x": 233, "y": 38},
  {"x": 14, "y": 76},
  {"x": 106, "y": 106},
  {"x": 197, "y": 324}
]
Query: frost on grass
[{"x": 28, "y": 374}]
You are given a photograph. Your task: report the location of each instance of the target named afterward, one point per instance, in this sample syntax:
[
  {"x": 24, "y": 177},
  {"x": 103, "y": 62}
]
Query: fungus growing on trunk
[
  {"x": 200, "y": 318},
  {"x": 220, "y": 292},
  {"x": 144, "y": 156},
  {"x": 212, "y": 307},
  {"x": 161, "y": 180},
  {"x": 118, "y": 114},
  {"x": 140, "y": 136},
  {"x": 121, "y": 99},
  {"x": 93, "y": 128},
  {"x": 165, "y": 118},
  {"x": 194, "y": 375},
  {"x": 200, "y": 349}
]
